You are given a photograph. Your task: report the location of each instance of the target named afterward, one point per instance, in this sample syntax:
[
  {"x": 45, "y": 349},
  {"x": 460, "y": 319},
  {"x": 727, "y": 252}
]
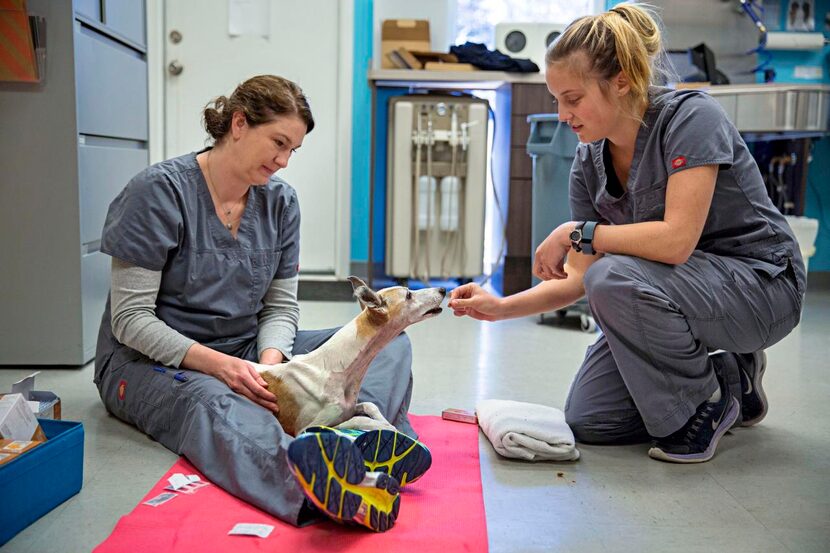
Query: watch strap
[{"x": 587, "y": 241}]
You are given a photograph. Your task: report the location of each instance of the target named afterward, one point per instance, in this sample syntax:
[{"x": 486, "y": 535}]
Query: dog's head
[{"x": 398, "y": 305}]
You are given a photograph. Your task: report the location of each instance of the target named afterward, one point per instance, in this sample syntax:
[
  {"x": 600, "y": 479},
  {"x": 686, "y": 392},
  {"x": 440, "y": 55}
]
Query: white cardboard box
[{"x": 17, "y": 422}]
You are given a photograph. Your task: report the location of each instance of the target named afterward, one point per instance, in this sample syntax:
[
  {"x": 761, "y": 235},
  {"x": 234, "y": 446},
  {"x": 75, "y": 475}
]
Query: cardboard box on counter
[
  {"x": 409, "y": 34},
  {"x": 430, "y": 61},
  {"x": 441, "y": 61},
  {"x": 403, "y": 59},
  {"x": 448, "y": 66}
]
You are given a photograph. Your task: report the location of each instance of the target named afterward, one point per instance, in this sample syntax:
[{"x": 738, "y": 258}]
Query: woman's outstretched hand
[{"x": 471, "y": 300}]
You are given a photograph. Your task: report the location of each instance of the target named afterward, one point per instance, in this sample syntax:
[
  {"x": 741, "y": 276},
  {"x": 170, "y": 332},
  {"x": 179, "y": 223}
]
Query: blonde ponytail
[{"x": 626, "y": 38}]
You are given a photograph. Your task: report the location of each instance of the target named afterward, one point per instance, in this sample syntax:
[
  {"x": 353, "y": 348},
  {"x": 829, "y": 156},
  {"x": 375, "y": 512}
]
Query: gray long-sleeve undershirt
[{"x": 135, "y": 324}]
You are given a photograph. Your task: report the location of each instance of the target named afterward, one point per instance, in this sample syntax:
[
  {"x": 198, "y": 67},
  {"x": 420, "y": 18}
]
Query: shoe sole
[
  {"x": 728, "y": 422},
  {"x": 332, "y": 474},
  {"x": 760, "y": 358},
  {"x": 347, "y": 432},
  {"x": 394, "y": 453}
]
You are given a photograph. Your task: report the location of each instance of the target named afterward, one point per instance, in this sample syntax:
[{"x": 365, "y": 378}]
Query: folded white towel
[{"x": 527, "y": 430}]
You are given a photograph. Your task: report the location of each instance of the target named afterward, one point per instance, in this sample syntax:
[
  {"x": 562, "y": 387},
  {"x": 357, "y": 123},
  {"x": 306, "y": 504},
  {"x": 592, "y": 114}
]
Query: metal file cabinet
[{"x": 68, "y": 146}]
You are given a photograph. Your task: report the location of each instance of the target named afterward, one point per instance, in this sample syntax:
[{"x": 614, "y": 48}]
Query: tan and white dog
[{"x": 321, "y": 387}]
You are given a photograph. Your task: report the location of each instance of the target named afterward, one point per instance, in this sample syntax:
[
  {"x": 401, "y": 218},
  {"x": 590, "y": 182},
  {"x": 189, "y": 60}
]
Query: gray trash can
[{"x": 552, "y": 146}]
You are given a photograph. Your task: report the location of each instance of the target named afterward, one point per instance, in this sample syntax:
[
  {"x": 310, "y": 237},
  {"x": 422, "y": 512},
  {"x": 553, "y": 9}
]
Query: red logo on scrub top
[
  {"x": 122, "y": 389},
  {"x": 678, "y": 162}
]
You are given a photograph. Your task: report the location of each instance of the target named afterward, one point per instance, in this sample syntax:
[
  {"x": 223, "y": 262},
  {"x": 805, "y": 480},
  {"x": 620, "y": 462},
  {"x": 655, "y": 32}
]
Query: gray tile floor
[{"x": 768, "y": 488}]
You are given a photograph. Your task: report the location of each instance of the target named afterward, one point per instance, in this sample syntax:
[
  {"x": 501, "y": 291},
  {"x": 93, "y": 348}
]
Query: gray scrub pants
[
  {"x": 650, "y": 368},
  {"x": 234, "y": 442}
]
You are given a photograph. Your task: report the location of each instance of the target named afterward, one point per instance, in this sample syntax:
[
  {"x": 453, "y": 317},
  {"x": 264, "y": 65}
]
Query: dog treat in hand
[{"x": 459, "y": 415}]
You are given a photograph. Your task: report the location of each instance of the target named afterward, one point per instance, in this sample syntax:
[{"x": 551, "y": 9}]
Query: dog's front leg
[
  {"x": 370, "y": 410},
  {"x": 364, "y": 423},
  {"x": 367, "y": 417}
]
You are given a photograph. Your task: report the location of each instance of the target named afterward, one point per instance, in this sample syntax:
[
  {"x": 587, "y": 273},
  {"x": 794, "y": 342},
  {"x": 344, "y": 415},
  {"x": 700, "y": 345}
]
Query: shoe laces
[{"x": 702, "y": 415}]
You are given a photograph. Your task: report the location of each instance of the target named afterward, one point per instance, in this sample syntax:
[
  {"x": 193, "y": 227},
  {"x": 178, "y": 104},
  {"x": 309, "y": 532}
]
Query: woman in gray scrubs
[
  {"x": 675, "y": 243},
  {"x": 205, "y": 253}
]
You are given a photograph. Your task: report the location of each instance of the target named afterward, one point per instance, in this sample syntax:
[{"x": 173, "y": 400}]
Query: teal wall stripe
[{"x": 361, "y": 134}]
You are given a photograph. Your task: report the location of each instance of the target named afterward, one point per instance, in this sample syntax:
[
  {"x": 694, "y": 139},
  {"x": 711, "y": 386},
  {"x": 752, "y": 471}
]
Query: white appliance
[
  {"x": 436, "y": 182},
  {"x": 527, "y": 40}
]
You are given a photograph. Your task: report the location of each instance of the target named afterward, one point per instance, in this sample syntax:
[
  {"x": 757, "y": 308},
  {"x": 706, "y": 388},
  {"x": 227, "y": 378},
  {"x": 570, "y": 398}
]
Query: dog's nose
[{"x": 443, "y": 291}]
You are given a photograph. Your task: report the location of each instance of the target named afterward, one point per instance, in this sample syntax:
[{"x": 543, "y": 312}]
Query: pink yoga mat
[{"x": 442, "y": 512}]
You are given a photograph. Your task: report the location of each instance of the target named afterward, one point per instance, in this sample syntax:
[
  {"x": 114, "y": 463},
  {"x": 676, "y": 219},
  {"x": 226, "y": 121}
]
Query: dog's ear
[{"x": 365, "y": 295}]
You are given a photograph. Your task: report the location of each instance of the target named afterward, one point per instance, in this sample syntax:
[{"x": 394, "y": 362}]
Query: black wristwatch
[{"x": 582, "y": 237}]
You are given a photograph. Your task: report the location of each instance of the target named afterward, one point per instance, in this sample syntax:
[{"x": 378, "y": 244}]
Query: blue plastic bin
[{"x": 43, "y": 478}]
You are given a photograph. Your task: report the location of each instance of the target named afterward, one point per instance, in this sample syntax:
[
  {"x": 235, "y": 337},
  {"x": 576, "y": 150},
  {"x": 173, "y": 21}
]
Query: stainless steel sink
[{"x": 775, "y": 108}]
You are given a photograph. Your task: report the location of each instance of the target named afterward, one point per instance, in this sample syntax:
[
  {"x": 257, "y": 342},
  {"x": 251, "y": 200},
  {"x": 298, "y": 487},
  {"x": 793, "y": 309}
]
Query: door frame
[{"x": 343, "y": 156}]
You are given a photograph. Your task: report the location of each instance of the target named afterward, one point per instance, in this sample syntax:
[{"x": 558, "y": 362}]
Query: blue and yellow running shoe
[
  {"x": 394, "y": 453},
  {"x": 330, "y": 471},
  {"x": 387, "y": 451}
]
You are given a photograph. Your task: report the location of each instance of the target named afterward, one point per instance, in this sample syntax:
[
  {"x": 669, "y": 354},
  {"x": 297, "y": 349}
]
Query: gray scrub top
[
  {"x": 684, "y": 129},
  {"x": 212, "y": 285}
]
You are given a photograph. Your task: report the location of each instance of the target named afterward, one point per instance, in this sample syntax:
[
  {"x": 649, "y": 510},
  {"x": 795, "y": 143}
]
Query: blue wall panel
[{"x": 361, "y": 137}]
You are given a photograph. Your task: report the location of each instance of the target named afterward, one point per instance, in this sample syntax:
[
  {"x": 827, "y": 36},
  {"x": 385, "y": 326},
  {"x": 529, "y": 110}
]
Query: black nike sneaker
[
  {"x": 697, "y": 440},
  {"x": 754, "y": 406}
]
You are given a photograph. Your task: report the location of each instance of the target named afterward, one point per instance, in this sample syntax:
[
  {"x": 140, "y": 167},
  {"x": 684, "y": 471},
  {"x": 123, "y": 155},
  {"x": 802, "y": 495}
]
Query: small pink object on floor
[{"x": 459, "y": 415}]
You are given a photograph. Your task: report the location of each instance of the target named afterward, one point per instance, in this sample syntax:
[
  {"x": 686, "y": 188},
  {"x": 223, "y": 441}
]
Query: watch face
[{"x": 576, "y": 236}]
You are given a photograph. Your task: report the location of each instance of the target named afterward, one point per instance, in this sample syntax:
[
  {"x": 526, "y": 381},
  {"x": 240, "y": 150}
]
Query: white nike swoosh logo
[
  {"x": 749, "y": 382},
  {"x": 729, "y": 403},
  {"x": 716, "y": 423}
]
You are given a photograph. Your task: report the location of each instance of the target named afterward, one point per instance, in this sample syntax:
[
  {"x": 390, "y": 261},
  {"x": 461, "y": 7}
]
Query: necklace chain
[{"x": 228, "y": 220}]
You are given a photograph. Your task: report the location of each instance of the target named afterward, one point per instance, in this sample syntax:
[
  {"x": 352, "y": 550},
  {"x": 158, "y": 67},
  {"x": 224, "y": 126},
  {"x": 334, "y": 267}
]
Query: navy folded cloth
[{"x": 492, "y": 60}]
